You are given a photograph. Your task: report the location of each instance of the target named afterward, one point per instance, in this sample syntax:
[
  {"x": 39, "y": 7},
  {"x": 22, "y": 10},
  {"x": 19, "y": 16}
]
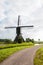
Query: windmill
[{"x": 19, "y": 37}]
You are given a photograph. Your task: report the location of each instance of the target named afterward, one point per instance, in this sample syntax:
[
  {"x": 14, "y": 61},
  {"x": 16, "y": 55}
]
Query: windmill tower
[{"x": 19, "y": 37}]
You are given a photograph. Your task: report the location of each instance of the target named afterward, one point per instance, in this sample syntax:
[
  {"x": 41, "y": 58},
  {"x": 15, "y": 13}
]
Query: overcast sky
[{"x": 31, "y": 13}]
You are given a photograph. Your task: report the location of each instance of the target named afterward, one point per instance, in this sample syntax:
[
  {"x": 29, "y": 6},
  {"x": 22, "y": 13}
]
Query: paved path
[{"x": 23, "y": 57}]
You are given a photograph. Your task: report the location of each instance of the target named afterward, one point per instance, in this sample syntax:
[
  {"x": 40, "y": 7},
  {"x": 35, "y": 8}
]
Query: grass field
[
  {"x": 7, "y": 49},
  {"x": 4, "y": 46},
  {"x": 38, "y": 60}
]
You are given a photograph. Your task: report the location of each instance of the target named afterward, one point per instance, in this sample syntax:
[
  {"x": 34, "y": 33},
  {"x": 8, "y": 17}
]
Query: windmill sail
[
  {"x": 10, "y": 27},
  {"x": 18, "y": 30}
]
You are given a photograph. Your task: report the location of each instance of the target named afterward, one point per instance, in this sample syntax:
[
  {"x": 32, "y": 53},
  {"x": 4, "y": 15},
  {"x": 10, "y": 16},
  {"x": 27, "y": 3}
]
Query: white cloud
[
  {"x": 1, "y": 12},
  {"x": 31, "y": 12}
]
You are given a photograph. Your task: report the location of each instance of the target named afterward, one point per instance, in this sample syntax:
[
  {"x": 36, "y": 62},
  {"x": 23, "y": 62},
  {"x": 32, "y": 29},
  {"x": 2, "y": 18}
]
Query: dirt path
[{"x": 23, "y": 57}]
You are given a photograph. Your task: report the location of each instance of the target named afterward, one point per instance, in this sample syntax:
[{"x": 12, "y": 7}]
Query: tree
[
  {"x": 29, "y": 40},
  {"x": 39, "y": 41},
  {"x": 8, "y": 41},
  {"x": 32, "y": 40}
]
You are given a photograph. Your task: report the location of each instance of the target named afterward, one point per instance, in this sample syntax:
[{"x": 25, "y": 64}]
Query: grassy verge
[
  {"x": 38, "y": 60},
  {"x": 4, "y": 46},
  {"x": 4, "y": 53}
]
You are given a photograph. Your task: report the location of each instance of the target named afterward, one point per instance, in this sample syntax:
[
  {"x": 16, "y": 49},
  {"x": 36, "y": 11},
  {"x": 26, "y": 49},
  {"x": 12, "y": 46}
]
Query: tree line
[{"x": 19, "y": 41}]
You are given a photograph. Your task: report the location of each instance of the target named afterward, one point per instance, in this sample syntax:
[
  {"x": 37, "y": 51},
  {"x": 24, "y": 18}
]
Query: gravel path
[{"x": 23, "y": 57}]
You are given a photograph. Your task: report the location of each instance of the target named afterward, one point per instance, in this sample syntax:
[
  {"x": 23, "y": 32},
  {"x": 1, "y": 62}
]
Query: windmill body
[{"x": 18, "y": 37}]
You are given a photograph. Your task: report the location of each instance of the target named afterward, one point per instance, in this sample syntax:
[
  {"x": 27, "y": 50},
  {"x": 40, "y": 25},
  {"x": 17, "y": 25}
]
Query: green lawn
[
  {"x": 7, "y": 50},
  {"x": 38, "y": 60}
]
